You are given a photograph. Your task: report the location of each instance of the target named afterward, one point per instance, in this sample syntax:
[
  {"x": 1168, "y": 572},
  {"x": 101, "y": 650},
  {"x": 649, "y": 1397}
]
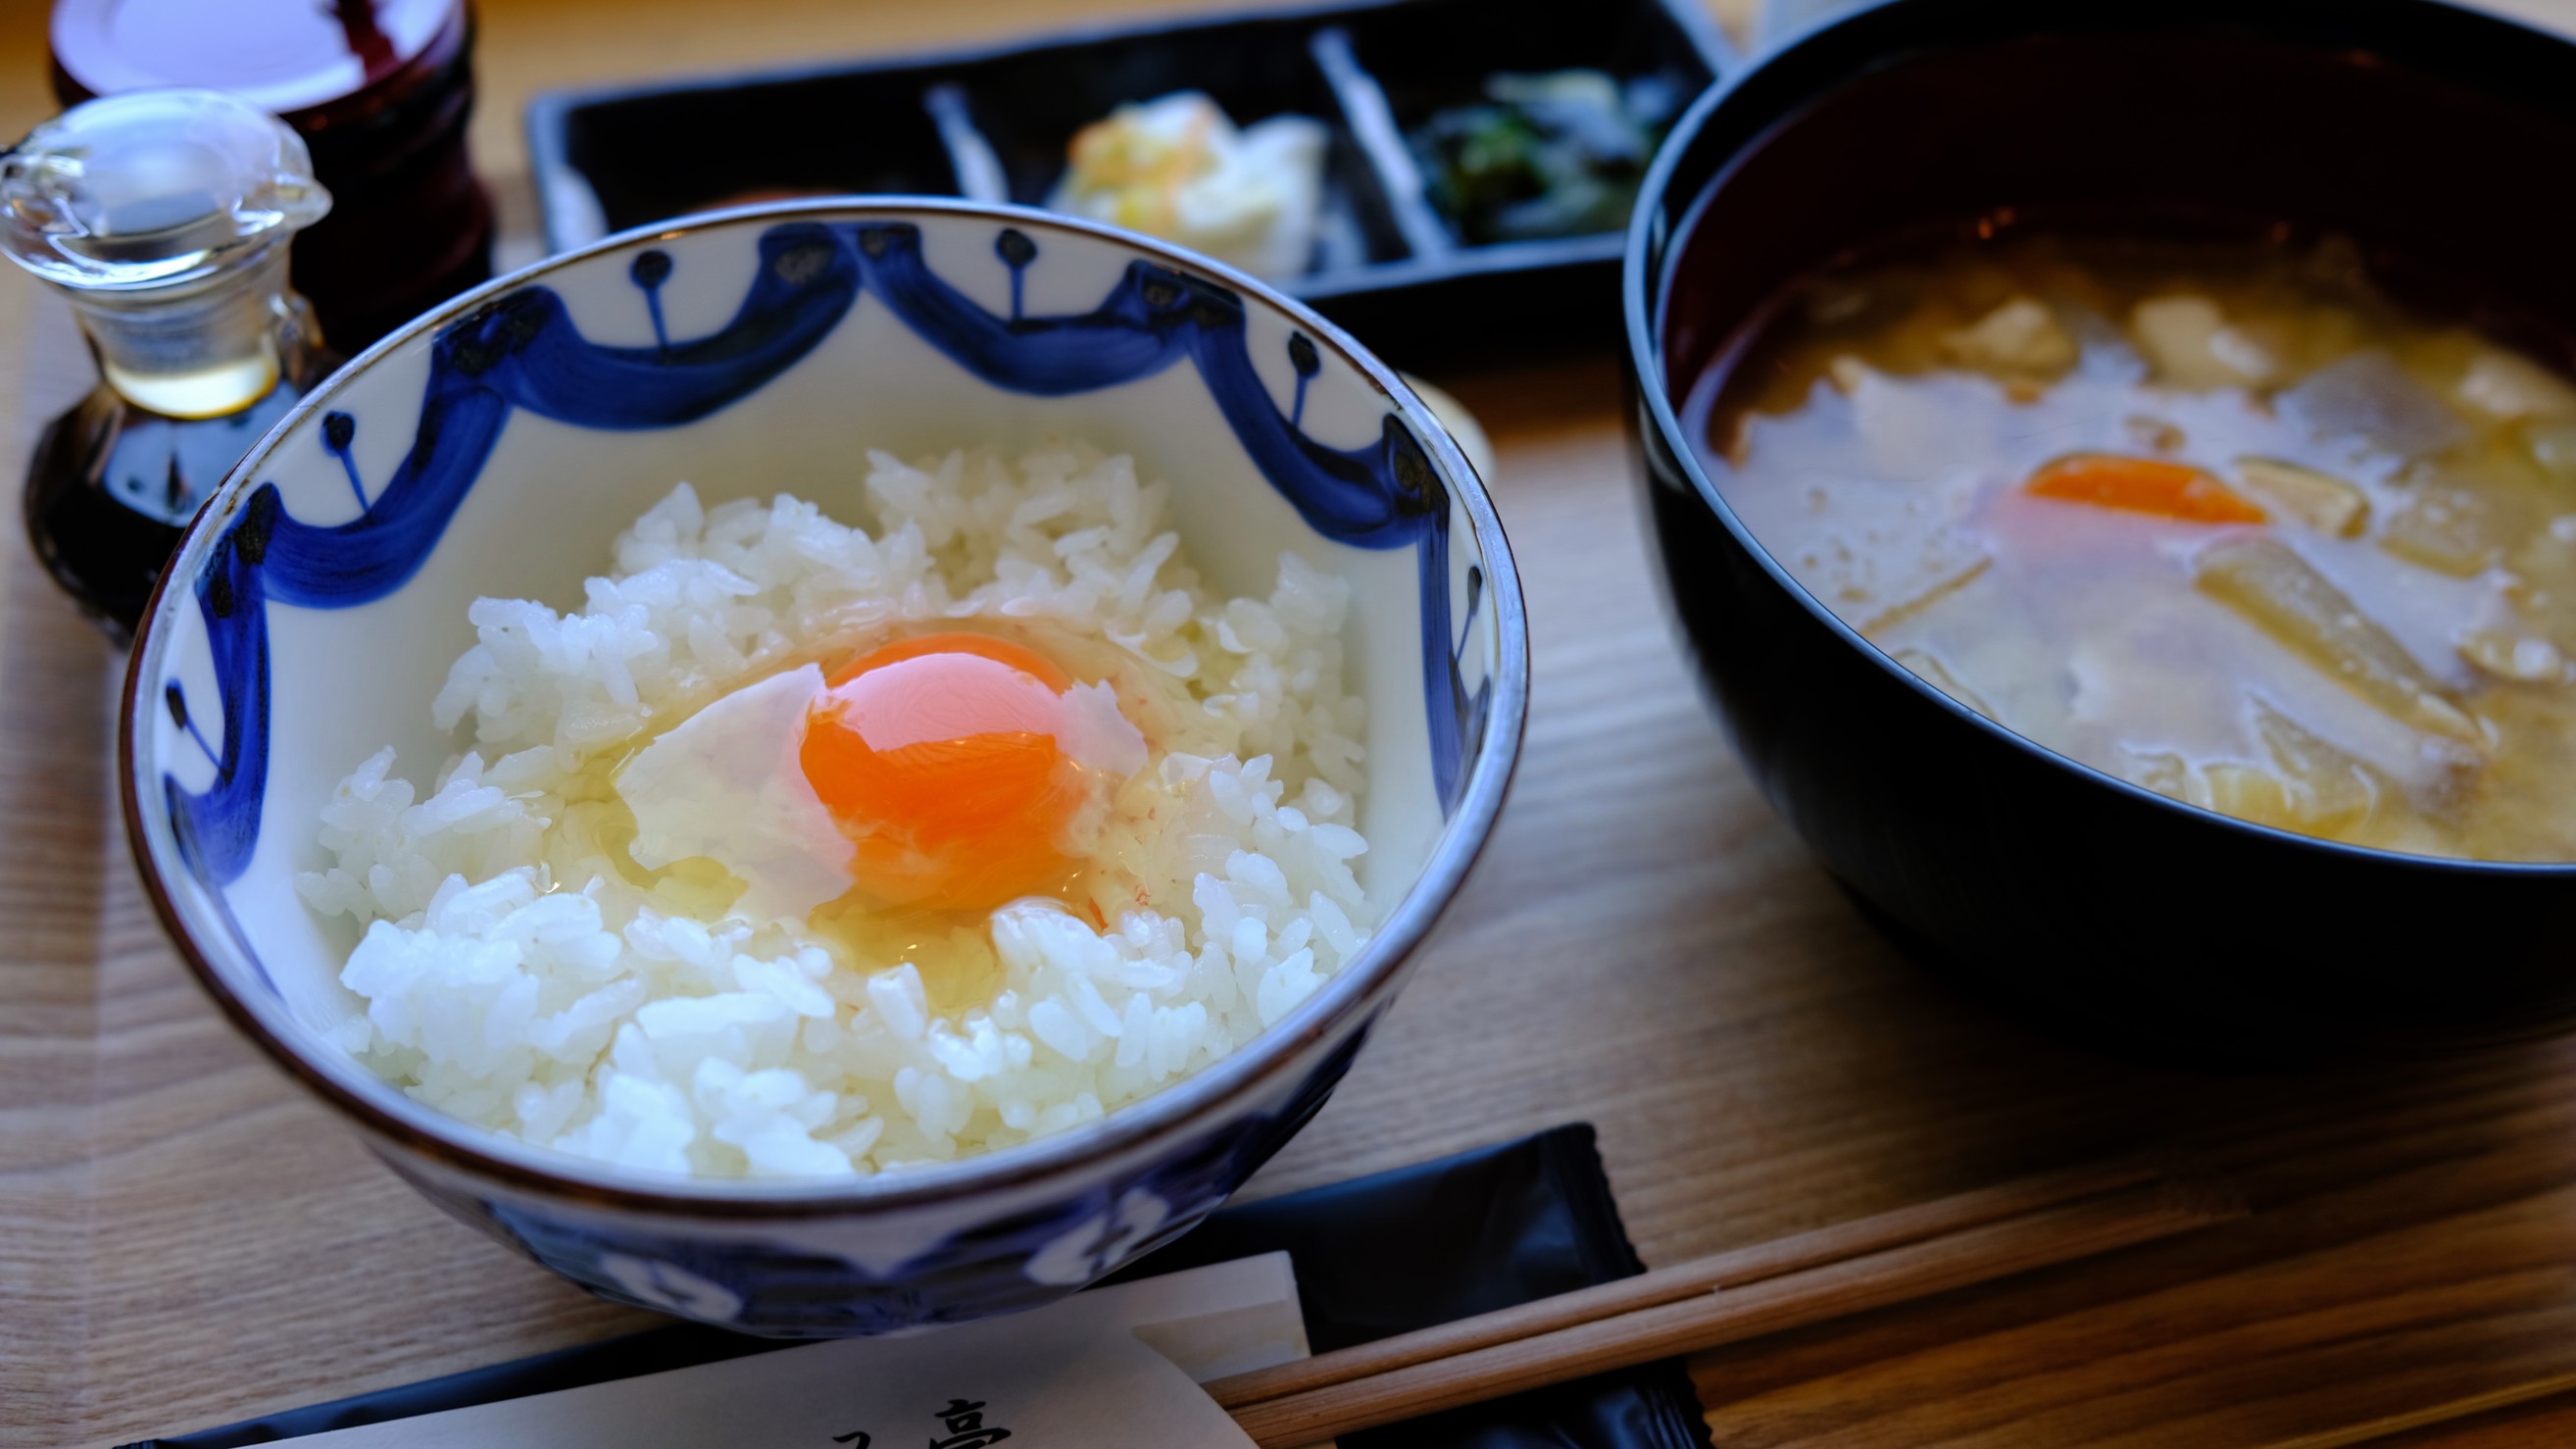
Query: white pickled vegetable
[
  {"x": 1178, "y": 168},
  {"x": 2318, "y": 499},
  {"x": 2189, "y": 341},
  {"x": 2447, "y": 529},
  {"x": 2021, "y": 336},
  {"x": 2283, "y": 595},
  {"x": 2369, "y": 396},
  {"x": 2504, "y": 386}
]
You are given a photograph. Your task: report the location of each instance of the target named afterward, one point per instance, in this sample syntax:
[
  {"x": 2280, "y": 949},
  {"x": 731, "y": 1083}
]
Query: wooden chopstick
[
  {"x": 1685, "y": 1280},
  {"x": 1808, "y": 1278}
]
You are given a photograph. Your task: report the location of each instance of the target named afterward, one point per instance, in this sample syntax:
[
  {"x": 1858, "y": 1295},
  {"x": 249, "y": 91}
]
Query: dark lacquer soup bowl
[{"x": 2429, "y": 135}]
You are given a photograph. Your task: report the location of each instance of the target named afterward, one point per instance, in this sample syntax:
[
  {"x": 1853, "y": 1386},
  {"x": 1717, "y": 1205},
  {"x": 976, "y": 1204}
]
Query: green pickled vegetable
[{"x": 1550, "y": 155}]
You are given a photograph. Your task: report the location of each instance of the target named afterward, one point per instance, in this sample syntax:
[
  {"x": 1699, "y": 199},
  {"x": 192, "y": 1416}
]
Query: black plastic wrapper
[{"x": 1378, "y": 1256}]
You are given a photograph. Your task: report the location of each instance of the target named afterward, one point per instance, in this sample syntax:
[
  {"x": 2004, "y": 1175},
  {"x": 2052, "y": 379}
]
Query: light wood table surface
[{"x": 186, "y": 1238}]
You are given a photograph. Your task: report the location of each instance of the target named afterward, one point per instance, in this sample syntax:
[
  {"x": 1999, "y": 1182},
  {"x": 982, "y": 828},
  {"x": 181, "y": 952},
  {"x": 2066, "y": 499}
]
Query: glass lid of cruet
[{"x": 164, "y": 218}]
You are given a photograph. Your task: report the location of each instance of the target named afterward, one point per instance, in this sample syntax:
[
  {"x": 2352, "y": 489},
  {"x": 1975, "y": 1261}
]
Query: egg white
[{"x": 727, "y": 784}]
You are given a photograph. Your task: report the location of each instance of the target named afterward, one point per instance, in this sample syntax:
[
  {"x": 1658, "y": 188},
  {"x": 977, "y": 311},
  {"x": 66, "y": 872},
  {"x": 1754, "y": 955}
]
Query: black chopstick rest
[
  {"x": 1443, "y": 1240},
  {"x": 1376, "y": 1256}
]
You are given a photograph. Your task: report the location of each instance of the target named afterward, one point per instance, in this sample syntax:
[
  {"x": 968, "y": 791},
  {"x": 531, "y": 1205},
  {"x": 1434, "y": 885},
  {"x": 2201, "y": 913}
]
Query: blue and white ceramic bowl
[{"x": 496, "y": 446}]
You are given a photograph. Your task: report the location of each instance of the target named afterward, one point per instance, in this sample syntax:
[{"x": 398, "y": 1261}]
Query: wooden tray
[{"x": 186, "y": 1238}]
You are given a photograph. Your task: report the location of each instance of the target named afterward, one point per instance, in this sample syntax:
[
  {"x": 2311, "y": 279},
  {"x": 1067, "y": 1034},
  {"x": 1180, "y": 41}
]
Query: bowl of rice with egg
[{"x": 832, "y": 767}]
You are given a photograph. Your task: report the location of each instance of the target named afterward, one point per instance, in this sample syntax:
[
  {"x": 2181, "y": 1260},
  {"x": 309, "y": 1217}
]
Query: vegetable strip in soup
[{"x": 2220, "y": 521}]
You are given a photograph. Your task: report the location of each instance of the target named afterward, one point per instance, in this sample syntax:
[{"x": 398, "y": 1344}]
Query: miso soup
[{"x": 2221, "y": 521}]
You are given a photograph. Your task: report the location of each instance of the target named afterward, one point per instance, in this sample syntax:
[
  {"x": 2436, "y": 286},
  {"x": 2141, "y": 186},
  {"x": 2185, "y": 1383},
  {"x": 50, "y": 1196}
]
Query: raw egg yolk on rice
[{"x": 957, "y": 764}]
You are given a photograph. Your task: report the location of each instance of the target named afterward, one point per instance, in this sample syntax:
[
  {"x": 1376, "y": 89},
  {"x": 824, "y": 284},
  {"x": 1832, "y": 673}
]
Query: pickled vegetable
[
  {"x": 2191, "y": 344},
  {"x": 2449, "y": 530},
  {"x": 1559, "y": 154},
  {"x": 2502, "y": 385},
  {"x": 2021, "y": 336},
  {"x": 2532, "y": 661},
  {"x": 2369, "y": 397},
  {"x": 2324, "y": 788},
  {"x": 2318, "y": 499},
  {"x": 2143, "y": 485},
  {"x": 1927, "y": 666},
  {"x": 2283, "y": 595}
]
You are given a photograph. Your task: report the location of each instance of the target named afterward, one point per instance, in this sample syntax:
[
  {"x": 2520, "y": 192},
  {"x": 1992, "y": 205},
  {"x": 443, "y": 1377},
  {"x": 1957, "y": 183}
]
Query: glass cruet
[{"x": 163, "y": 217}]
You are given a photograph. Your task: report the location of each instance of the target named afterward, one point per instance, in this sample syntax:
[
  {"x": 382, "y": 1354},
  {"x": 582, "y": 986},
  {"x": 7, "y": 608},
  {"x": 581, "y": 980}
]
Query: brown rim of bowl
[{"x": 1167, "y": 1113}]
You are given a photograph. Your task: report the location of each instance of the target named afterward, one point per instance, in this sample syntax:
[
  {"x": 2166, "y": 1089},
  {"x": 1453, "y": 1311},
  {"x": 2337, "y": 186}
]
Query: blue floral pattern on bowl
[
  {"x": 350, "y": 538},
  {"x": 1001, "y": 1266},
  {"x": 521, "y": 350}
]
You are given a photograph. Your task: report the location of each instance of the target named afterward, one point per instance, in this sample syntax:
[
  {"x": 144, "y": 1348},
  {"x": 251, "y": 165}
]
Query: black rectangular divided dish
[{"x": 992, "y": 124}]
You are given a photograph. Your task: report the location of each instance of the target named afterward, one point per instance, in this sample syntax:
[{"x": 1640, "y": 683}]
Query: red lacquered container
[{"x": 380, "y": 91}]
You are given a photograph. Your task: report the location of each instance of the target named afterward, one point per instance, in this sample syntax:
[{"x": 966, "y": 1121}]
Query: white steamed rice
[{"x": 512, "y": 977}]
